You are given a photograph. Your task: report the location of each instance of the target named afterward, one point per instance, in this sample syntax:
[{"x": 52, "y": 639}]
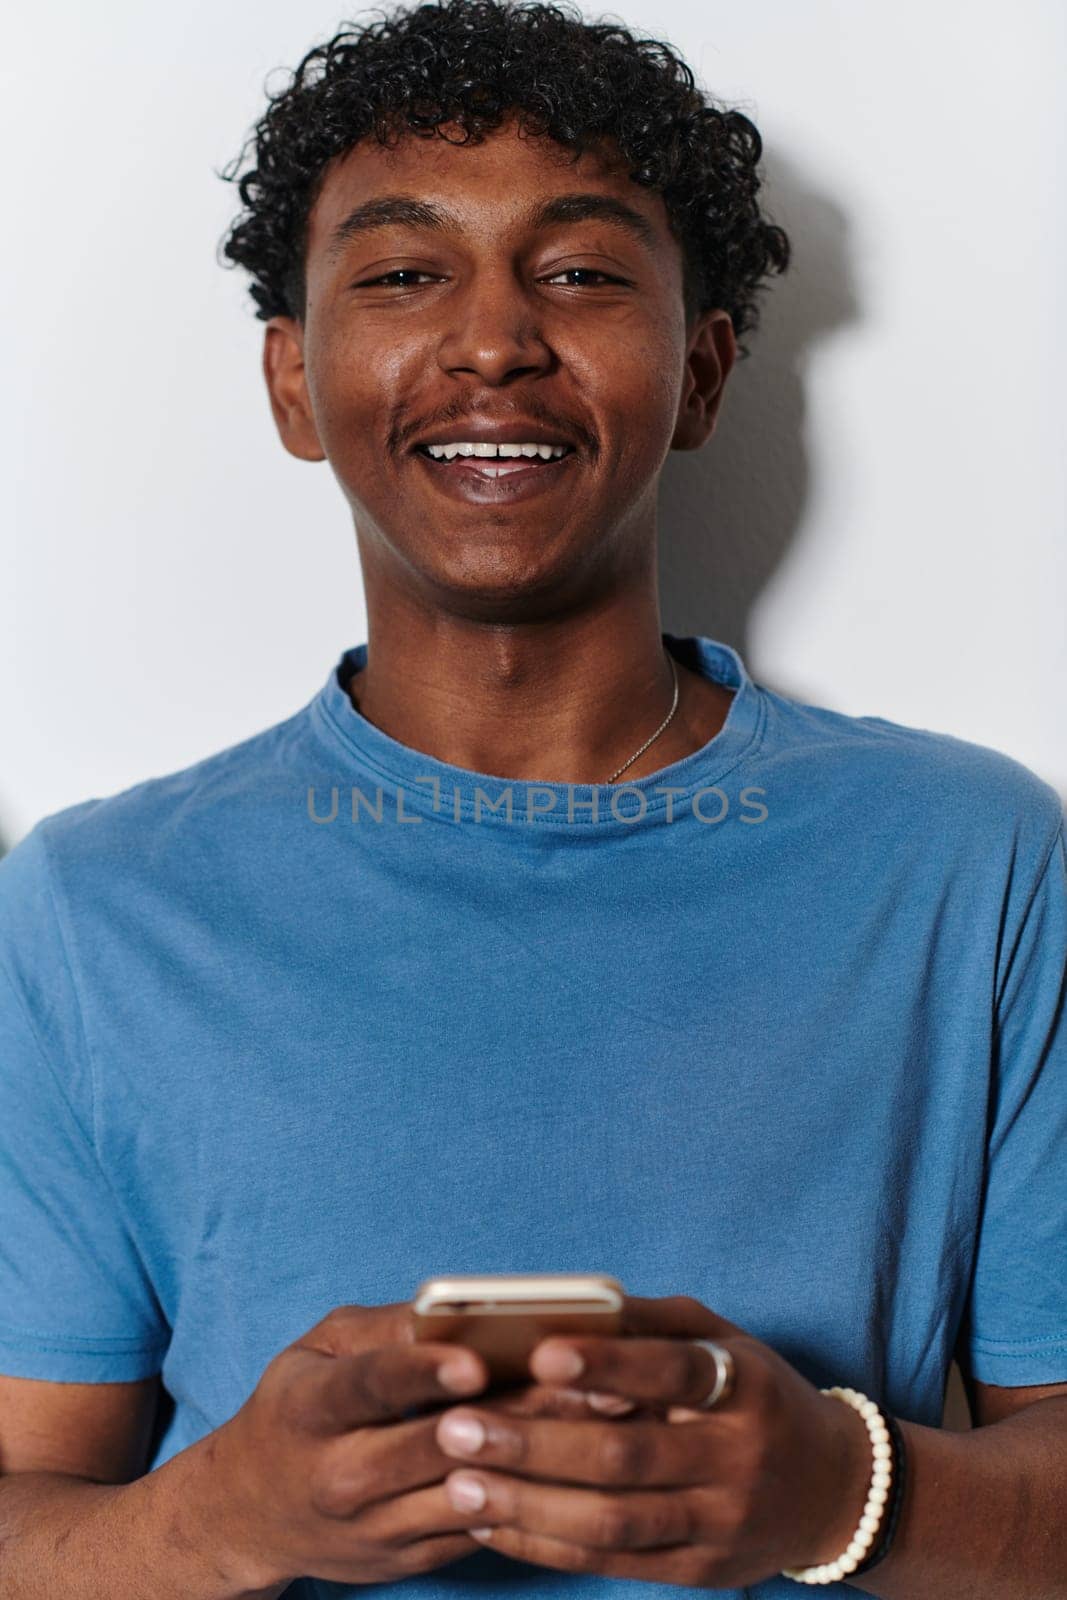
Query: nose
[{"x": 494, "y": 331}]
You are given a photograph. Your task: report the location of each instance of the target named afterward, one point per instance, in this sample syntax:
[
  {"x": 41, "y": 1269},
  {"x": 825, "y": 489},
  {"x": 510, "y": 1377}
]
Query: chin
[{"x": 499, "y": 592}]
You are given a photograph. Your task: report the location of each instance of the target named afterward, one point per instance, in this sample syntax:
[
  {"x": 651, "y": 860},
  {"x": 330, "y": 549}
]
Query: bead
[{"x": 877, "y": 1494}]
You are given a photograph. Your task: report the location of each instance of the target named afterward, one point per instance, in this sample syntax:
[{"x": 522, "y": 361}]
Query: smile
[
  {"x": 493, "y": 452},
  {"x": 501, "y": 476}
]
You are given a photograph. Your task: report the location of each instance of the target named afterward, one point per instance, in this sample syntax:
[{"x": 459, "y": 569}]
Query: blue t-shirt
[{"x": 780, "y": 1026}]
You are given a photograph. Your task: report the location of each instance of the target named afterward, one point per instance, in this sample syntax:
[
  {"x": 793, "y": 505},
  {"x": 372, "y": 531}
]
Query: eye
[
  {"x": 398, "y": 272},
  {"x": 589, "y": 272},
  {"x": 412, "y": 272}
]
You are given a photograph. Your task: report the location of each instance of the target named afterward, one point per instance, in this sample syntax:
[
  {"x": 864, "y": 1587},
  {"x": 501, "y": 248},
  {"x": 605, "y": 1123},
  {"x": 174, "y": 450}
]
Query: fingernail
[
  {"x": 613, "y": 1405},
  {"x": 466, "y": 1494},
  {"x": 462, "y": 1433},
  {"x": 459, "y": 1376},
  {"x": 560, "y": 1364}
]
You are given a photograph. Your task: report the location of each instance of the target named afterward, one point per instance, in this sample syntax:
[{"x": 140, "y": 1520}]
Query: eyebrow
[{"x": 406, "y": 211}]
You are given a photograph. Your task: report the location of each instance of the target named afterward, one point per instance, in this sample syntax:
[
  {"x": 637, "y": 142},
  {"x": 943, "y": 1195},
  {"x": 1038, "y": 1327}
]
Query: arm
[
  {"x": 983, "y": 1511},
  {"x": 983, "y": 1515},
  {"x": 152, "y": 1539}
]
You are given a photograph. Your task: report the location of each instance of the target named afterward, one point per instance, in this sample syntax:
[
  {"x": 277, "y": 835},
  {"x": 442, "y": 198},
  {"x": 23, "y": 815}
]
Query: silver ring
[{"x": 723, "y": 1386}]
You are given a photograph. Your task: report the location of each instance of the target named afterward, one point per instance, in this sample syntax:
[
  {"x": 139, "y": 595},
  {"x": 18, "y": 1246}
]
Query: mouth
[
  {"x": 497, "y": 465},
  {"x": 492, "y": 479}
]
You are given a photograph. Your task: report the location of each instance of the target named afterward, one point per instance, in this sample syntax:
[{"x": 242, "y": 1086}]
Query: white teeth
[{"x": 447, "y": 452}]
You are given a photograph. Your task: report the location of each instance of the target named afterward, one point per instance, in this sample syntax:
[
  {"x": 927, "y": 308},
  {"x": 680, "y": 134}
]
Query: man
[{"x": 539, "y": 940}]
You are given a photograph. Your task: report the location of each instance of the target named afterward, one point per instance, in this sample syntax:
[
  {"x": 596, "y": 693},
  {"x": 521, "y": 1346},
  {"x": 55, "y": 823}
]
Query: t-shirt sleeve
[
  {"x": 76, "y": 1301},
  {"x": 1014, "y": 1330}
]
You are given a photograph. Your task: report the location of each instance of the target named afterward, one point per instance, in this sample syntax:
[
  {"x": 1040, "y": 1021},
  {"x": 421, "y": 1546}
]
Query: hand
[
  {"x": 331, "y": 1468},
  {"x": 775, "y": 1476},
  {"x": 328, "y": 1471}
]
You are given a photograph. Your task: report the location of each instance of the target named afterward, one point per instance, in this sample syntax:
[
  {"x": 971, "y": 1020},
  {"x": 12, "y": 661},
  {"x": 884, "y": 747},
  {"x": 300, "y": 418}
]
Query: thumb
[{"x": 673, "y": 1316}]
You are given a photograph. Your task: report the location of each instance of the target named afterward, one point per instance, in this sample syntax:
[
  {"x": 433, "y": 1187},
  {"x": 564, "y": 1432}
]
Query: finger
[
  {"x": 552, "y": 1400},
  {"x": 682, "y": 1564},
  {"x": 612, "y": 1405},
  {"x": 673, "y": 1316},
  {"x": 439, "y": 1550},
  {"x": 347, "y": 1329},
  {"x": 335, "y": 1393},
  {"x": 664, "y": 1371},
  {"x": 601, "y": 1520},
  {"x": 381, "y": 1463},
  {"x": 618, "y": 1454},
  {"x": 406, "y": 1518}
]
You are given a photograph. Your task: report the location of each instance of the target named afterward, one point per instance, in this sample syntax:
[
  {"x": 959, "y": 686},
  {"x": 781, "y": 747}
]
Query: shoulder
[
  {"x": 178, "y": 824},
  {"x": 904, "y": 778}
]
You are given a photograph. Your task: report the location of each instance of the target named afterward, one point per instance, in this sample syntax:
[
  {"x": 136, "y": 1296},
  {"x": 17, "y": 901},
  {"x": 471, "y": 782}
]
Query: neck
[{"x": 564, "y": 700}]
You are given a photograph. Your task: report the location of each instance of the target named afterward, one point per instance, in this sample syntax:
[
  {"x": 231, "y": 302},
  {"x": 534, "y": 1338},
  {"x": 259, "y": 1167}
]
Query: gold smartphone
[{"x": 504, "y": 1316}]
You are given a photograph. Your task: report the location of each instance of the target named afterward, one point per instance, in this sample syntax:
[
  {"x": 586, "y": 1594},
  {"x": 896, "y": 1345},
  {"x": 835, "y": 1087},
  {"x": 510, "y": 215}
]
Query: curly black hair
[{"x": 475, "y": 63}]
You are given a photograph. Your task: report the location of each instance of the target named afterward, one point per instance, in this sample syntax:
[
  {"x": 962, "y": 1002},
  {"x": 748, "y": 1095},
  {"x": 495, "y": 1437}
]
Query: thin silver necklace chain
[{"x": 661, "y": 727}]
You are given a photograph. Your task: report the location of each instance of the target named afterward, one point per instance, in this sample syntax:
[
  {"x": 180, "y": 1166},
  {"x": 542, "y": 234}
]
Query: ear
[
  {"x": 711, "y": 350},
  {"x": 290, "y": 404}
]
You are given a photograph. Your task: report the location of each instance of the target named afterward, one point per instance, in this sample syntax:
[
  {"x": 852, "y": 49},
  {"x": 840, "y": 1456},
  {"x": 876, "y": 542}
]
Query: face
[{"x": 569, "y": 322}]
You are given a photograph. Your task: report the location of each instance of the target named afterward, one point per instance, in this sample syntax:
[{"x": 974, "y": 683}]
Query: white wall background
[{"x": 878, "y": 524}]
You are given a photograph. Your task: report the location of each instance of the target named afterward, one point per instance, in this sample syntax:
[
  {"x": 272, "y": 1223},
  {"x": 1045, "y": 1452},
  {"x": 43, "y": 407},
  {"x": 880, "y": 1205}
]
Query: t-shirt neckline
[{"x": 437, "y": 788}]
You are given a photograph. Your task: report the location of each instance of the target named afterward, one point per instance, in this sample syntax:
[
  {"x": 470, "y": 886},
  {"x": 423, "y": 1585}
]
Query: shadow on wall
[{"x": 729, "y": 512}]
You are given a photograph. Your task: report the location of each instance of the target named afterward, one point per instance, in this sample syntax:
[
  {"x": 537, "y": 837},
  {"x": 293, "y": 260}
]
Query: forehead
[{"x": 492, "y": 187}]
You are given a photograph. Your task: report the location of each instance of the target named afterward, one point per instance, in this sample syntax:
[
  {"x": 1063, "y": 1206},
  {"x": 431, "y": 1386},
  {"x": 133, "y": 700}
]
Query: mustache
[{"x": 405, "y": 434}]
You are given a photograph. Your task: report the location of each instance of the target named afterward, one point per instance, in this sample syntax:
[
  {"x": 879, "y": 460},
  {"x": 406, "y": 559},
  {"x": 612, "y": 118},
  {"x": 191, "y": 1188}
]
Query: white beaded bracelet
[{"x": 877, "y": 1495}]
